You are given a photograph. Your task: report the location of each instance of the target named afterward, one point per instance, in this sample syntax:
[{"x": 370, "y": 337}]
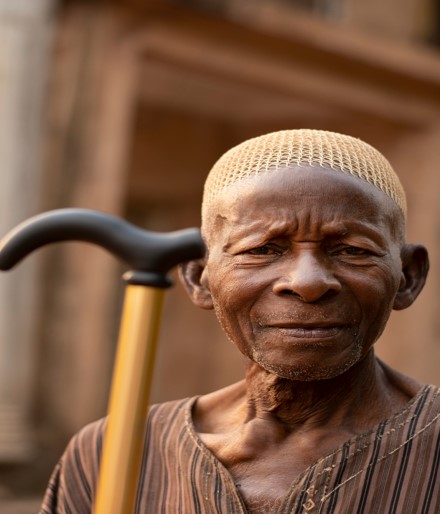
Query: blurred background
[{"x": 123, "y": 106}]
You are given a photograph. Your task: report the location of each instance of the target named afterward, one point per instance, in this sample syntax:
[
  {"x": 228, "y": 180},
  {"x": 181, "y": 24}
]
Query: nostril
[
  {"x": 308, "y": 298},
  {"x": 329, "y": 294},
  {"x": 287, "y": 292}
]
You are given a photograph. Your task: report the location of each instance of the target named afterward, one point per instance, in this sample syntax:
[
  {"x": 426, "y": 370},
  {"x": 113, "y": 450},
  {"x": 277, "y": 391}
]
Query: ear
[
  {"x": 415, "y": 266},
  {"x": 194, "y": 277}
]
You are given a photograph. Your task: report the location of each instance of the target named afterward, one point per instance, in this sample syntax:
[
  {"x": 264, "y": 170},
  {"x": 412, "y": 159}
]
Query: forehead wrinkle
[
  {"x": 309, "y": 226},
  {"x": 230, "y": 212},
  {"x": 290, "y": 221},
  {"x": 261, "y": 229}
]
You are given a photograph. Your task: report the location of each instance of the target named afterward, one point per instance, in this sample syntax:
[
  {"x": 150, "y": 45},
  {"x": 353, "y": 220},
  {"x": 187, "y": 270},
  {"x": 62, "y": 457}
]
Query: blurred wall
[{"x": 25, "y": 39}]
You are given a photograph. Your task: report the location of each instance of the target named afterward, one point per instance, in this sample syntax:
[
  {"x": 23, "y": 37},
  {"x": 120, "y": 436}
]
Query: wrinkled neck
[{"x": 351, "y": 399}]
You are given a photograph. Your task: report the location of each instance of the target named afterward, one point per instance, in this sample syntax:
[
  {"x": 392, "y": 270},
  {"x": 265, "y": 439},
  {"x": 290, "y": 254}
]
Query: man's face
[{"x": 303, "y": 268}]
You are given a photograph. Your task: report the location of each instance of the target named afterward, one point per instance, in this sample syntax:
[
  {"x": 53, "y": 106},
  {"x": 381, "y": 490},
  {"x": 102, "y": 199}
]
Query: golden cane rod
[{"x": 130, "y": 391}]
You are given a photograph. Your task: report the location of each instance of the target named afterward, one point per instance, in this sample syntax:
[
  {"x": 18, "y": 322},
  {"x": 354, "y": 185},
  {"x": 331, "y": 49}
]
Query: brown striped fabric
[{"x": 393, "y": 469}]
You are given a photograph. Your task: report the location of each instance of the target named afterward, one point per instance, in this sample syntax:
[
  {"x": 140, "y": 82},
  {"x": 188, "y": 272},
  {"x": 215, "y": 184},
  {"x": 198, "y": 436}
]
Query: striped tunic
[{"x": 392, "y": 469}]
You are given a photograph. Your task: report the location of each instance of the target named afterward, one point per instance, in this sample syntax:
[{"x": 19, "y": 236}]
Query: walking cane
[{"x": 150, "y": 257}]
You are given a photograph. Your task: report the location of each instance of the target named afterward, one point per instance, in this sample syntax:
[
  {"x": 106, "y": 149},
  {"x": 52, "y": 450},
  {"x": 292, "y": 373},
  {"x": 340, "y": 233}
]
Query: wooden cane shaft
[{"x": 129, "y": 398}]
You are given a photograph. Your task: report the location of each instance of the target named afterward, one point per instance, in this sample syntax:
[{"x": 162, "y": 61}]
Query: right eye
[{"x": 263, "y": 250}]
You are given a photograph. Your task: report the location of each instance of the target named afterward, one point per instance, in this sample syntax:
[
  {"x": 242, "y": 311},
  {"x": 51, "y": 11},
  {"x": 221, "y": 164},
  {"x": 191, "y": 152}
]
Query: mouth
[{"x": 309, "y": 330}]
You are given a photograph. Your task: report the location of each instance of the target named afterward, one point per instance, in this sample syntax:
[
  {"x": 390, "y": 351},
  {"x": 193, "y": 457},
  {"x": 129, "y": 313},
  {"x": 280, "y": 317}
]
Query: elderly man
[{"x": 306, "y": 259}]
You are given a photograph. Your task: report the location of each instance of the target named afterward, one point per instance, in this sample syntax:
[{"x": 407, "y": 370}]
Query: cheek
[
  {"x": 224, "y": 296},
  {"x": 233, "y": 288},
  {"x": 376, "y": 293},
  {"x": 233, "y": 294},
  {"x": 378, "y": 282}
]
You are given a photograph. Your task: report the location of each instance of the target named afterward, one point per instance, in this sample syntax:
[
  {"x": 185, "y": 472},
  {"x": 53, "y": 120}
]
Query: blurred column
[{"x": 24, "y": 38}]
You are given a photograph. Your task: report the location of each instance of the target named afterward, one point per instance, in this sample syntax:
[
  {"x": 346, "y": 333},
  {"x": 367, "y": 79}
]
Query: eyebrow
[
  {"x": 255, "y": 235},
  {"x": 364, "y": 229}
]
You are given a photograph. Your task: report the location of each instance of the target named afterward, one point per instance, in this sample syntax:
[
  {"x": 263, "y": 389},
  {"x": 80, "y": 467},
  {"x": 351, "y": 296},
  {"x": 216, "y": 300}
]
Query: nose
[{"x": 307, "y": 277}]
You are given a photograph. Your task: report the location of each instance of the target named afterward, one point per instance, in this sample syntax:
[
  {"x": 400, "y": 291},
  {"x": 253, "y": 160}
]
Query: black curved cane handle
[{"x": 150, "y": 255}]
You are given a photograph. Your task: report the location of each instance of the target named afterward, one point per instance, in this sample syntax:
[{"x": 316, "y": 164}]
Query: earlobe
[
  {"x": 415, "y": 266},
  {"x": 193, "y": 275}
]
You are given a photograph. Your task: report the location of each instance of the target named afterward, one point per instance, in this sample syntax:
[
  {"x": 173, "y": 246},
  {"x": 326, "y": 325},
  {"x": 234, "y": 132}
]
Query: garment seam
[{"x": 227, "y": 478}]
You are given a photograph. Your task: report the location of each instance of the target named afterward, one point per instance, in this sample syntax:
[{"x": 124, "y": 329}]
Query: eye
[
  {"x": 352, "y": 251},
  {"x": 264, "y": 250}
]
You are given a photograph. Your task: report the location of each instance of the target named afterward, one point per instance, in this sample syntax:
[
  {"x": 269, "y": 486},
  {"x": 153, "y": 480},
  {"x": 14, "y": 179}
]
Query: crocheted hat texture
[{"x": 276, "y": 150}]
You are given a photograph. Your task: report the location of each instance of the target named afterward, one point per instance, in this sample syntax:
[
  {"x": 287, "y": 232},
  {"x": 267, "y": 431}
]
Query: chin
[{"x": 308, "y": 372}]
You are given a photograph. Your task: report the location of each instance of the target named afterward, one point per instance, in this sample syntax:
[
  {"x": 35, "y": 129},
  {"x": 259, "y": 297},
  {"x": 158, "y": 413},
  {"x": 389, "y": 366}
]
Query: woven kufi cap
[{"x": 277, "y": 150}]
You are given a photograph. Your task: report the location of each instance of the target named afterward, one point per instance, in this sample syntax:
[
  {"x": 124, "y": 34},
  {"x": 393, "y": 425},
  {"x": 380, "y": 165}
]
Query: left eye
[{"x": 352, "y": 251}]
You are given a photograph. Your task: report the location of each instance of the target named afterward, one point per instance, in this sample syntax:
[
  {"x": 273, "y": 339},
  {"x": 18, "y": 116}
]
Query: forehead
[{"x": 304, "y": 192}]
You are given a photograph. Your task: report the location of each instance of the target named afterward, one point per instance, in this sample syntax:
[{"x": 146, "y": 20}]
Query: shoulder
[
  {"x": 90, "y": 437},
  {"x": 85, "y": 447},
  {"x": 425, "y": 413},
  {"x": 71, "y": 487},
  {"x": 168, "y": 411},
  {"x": 429, "y": 399}
]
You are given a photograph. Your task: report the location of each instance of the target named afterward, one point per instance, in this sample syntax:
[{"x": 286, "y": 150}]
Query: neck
[{"x": 354, "y": 399}]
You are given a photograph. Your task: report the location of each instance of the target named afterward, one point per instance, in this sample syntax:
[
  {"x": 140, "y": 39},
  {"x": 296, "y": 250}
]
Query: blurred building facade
[{"x": 141, "y": 98}]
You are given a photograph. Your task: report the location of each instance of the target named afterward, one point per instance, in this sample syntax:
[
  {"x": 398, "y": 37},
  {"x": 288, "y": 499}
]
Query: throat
[{"x": 295, "y": 404}]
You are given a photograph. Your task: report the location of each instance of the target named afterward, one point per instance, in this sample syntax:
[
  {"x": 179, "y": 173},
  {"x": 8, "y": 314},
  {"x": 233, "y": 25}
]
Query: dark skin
[{"x": 303, "y": 272}]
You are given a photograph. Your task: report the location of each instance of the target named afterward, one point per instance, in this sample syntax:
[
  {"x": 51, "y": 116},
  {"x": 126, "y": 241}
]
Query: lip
[
  {"x": 312, "y": 332},
  {"x": 305, "y": 325},
  {"x": 308, "y": 330}
]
